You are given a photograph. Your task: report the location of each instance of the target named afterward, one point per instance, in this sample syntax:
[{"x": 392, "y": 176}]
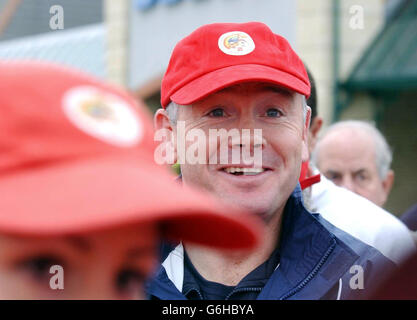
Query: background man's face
[
  {"x": 347, "y": 158},
  {"x": 105, "y": 265},
  {"x": 251, "y": 106}
]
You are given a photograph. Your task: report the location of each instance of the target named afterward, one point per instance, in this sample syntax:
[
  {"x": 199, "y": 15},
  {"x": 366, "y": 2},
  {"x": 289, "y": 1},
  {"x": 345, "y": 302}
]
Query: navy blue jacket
[{"x": 317, "y": 261}]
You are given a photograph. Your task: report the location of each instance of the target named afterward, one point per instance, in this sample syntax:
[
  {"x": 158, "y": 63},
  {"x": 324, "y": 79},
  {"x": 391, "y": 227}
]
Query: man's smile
[
  {"x": 244, "y": 174},
  {"x": 238, "y": 171}
]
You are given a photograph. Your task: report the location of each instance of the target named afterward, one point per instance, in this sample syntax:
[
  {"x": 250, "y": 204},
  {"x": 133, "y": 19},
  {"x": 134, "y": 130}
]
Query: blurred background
[{"x": 363, "y": 53}]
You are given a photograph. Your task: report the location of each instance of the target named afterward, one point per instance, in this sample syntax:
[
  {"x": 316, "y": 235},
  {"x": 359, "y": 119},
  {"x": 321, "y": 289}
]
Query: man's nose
[
  {"x": 96, "y": 284},
  {"x": 249, "y": 139},
  {"x": 348, "y": 183},
  {"x": 250, "y": 135},
  {"x": 97, "y": 291}
]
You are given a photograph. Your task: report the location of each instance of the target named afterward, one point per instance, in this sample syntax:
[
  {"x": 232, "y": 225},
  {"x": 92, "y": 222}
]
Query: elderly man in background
[
  {"x": 347, "y": 210},
  {"x": 355, "y": 155}
]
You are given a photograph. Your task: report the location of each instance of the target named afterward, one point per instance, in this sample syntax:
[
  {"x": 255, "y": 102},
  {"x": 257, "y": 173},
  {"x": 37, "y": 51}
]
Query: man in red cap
[
  {"x": 230, "y": 78},
  {"x": 83, "y": 206}
]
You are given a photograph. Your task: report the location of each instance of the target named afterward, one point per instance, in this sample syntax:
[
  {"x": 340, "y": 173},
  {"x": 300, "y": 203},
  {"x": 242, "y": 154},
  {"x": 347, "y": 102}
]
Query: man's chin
[{"x": 257, "y": 206}]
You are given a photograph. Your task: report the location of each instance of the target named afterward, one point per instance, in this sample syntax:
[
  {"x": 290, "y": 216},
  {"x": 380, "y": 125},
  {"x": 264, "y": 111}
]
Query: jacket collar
[
  {"x": 309, "y": 253},
  {"x": 161, "y": 287},
  {"x": 308, "y": 250}
]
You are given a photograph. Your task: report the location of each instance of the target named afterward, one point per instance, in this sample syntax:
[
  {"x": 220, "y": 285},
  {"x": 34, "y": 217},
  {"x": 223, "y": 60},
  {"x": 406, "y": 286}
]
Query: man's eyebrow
[
  {"x": 362, "y": 170},
  {"x": 333, "y": 172},
  {"x": 80, "y": 243},
  {"x": 138, "y": 252}
]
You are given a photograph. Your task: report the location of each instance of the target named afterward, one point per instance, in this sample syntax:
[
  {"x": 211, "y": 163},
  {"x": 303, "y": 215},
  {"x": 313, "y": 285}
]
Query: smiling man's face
[{"x": 279, "y": 114}]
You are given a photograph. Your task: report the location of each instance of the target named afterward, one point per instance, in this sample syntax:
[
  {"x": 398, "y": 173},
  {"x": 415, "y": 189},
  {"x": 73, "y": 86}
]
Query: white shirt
[{"x": 362, "y": 219}]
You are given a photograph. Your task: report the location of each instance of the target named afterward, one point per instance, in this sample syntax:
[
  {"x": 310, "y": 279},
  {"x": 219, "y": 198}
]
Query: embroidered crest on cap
[
  {"x": 236, "y": 43},
  {"x": 102, "y": 115}
]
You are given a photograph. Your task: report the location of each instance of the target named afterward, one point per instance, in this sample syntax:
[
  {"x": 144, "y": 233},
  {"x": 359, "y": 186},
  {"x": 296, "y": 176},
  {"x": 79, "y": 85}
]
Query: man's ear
[
  {"x": 165, "y": 135},
  {"x": 305, "y": 149},
  {"x": 161, "y": 120},
  {"x": 315, "y": 128},
  {"x": 387, "y": 183}
]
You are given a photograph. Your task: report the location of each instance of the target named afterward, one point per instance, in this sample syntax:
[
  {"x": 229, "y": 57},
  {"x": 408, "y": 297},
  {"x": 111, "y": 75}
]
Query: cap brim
[
  {"x": 106, "y": 193},
  {"x": 216, "y": 80}
]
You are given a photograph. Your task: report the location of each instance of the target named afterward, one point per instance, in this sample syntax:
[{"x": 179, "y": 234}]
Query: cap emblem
[
  {"x": 236, "y": 43},
  {"x": 105, "y": 116}
]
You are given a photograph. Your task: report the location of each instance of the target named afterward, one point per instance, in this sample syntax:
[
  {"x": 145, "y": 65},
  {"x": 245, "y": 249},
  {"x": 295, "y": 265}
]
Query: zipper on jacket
[
  {"x": 198, "y": 292},
  {"x": 311, "y": 275},
  {"x": 242, "y": 290},
  {"x": 229, "y": 295}
]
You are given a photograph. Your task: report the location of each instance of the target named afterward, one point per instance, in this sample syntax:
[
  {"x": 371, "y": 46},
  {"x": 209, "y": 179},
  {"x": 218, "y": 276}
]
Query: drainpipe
[{"x": 336, "y": 58}]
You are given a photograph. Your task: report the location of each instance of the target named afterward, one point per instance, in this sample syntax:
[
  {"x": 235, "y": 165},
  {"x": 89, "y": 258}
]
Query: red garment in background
[{"x": 305, "y": 179}]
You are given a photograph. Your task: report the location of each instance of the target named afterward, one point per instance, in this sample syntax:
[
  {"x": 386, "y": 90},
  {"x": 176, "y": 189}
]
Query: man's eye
[
  {"x": 39, "y": 266},
  {"x": 219, "y": 112},
  {"x": 334, "y": 177},
  {"x": 273, "y": 113},
  {"x": 130, "y": 282},
  {"x": 361, "y": 177}
]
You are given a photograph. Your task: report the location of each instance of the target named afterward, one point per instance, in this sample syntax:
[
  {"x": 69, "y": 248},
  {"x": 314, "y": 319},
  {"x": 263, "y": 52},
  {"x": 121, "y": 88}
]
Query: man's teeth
[{"x": 244, "y": 171}]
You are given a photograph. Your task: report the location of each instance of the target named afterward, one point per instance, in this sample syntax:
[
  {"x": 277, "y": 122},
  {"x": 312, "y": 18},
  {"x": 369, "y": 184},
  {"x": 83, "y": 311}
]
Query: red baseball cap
[
  {"x": 219, "y": 55},
  {"x": 77, "y": 156}
]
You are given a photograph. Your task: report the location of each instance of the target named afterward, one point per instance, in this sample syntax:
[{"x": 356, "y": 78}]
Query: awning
[
  {"x": 390, "y": 62},
  {"x": 82, "y": 48}
]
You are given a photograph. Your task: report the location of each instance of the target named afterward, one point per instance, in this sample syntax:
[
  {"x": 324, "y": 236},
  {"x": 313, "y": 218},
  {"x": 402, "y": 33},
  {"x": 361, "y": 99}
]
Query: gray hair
[
  {"x": 383, "y": 153},
  {"x": 305, "y": 108},
  {"x": 172, "y": 110}
]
